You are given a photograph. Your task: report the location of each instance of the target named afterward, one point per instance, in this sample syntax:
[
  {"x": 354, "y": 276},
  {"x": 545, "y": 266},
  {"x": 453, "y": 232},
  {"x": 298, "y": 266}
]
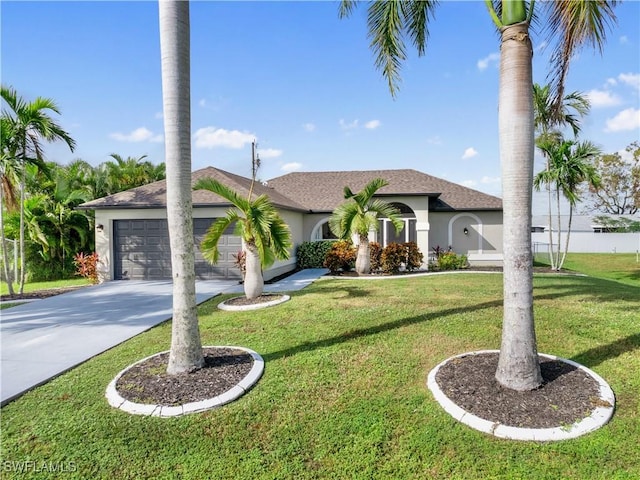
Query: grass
[
  {"x": 343, "y": 394},
  {"x": 35, "y": 286}
]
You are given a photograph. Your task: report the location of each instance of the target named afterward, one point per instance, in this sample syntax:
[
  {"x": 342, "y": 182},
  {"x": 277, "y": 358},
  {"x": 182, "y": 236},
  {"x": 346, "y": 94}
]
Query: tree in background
[
  {"x": 186, "y": 347},
  {"x": 569, "y": 164},
  {"x": 574, "y": 23},
  {"x": 30, "y": 123},
  {"x": 619, "y": 189},
  {"x": 548, "y": 123},
  {"x": 359, "y": 215}
]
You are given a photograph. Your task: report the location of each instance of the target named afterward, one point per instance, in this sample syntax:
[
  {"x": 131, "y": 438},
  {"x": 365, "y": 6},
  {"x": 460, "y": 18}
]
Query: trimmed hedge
[{"x": 312, "y": 254}]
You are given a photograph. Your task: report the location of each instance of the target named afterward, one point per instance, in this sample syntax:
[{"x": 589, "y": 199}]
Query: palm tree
[
  {"x": 575, "y": 22},
  {"x": 569, "y": 165},
  {"x": 359, "y": 215},
  {"x": 7, "y": 192},
  {"x": 186, "y": 346},
  {"x": 265, "y": 235},
  {"x": 547, "y": 123},
  {"x": 30, "y": 124}
]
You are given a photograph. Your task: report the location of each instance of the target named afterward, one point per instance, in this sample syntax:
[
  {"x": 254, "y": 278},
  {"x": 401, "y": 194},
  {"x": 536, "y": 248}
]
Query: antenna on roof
[{"x": 255, "y": 165}]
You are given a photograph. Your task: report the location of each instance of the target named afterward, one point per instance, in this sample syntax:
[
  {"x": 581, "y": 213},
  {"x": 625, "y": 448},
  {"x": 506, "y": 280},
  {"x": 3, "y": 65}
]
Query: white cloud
[
  {"x": 141, "y": 134},
  {"x": 469, "y": 183},
  {"x": 631, "y": 79},
  {"x": 434, "y": 140},
  {"x": 489, "y": 180},
  {"x": 483, "y": 63},
  {"x": 212, "y": 137},
  {"x": 372, "y": 124},
  {"x": 624, "y": 39},
  {"x": 202, "y": 102},
  {"x": 159, "y": 115},
  {"x": 469, "y": 153},
  {"x": 309, "y": 127},
  {"x": 269, "y": 153},
  {"x": 628, "y": 119},
  {"x": 291, "y": 167},
  {"x": 348, "y": 126},
  {"x": 602, "y": 98}
]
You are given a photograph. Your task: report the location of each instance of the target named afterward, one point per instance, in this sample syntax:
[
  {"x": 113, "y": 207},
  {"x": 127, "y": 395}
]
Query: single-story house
[{"x": 132, "y": 238}]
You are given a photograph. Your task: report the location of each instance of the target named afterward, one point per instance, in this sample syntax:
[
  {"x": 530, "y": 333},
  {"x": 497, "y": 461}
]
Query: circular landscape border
[
  {"x": 117, "y": 401},
  {"x": 599, "y": 416},
  {"x": 253, "y": 306}
]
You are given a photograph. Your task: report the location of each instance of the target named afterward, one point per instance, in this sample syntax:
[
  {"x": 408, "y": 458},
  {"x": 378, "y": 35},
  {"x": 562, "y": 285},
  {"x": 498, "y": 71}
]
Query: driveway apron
[{"x": 45, "y": 338}]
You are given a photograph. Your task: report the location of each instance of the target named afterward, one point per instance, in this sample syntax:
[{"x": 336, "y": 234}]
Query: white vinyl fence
[{"x": 588, "y": 242}]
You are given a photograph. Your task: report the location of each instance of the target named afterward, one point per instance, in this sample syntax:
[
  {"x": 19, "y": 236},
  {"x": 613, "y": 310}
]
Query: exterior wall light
[
  {"x": 465, "y": 231},
  {"x": 100, "y": 227}
]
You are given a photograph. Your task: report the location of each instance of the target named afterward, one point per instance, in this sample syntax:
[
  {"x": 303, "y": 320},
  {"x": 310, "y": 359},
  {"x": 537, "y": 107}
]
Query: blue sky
[{"x": 301, "y": 82}]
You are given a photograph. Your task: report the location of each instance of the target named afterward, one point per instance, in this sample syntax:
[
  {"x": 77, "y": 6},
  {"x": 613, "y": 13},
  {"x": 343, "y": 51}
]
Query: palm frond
[
  {"x": 385, "y": 25},
  {"x": 209, "y": 244},
  {"x": 576, "y": 22}
]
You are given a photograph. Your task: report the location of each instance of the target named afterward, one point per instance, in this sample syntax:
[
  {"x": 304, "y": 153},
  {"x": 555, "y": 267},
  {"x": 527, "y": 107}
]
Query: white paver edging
[
  {"x": 599, "y": 416},
  {"x": 255, "y": 306},
  {"x": 115, "y": 400}
]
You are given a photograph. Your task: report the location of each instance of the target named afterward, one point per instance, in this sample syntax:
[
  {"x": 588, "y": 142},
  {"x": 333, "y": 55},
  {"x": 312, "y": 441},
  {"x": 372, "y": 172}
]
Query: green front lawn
[
  {"x": 35, "y": 286},
  {"x": 344, "y": 394}
]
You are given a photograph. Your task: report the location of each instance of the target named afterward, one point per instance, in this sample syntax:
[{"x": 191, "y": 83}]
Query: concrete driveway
[{"x": 45, "y": 338}]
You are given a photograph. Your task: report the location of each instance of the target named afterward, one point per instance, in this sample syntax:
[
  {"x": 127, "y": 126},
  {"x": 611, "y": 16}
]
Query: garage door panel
[{"x": 142, "y": 251}]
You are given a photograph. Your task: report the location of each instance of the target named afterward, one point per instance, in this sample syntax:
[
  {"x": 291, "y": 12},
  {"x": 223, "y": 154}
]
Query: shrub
[
  {"x": 240, "y": 262},
  {"x": 341, "y": 256},
  {"x": 392, "y": 258},
  {"x": 448, "y": 259},
  {"x": 87, "y": 266},
  {"x": 312, "y": 254},
  {"x": 375, "y": 252},
  {"x": 414, "y": 256}
]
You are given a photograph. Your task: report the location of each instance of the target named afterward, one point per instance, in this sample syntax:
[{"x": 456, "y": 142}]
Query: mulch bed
[
  {"x": 567, "y": 395},
  {"x": 148, "y": 382},
  {"x": 244, "y": 301}
]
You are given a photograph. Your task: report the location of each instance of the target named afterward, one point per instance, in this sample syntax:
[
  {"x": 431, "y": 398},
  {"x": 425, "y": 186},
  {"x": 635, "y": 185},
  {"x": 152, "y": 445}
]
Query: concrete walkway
[{"x": 43, "y": 339}]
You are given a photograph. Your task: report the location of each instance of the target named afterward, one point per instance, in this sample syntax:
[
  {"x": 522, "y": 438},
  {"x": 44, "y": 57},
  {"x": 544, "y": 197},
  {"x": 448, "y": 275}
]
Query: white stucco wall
[{"x": 104, "y": 236}]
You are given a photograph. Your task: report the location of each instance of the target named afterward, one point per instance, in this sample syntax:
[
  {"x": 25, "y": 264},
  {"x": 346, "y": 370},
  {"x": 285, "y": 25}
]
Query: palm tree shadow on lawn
[{"x": 566, "y": 388}]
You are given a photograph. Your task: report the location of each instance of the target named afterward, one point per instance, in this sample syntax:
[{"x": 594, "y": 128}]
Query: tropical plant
[
  {"x": 265, "y": 235},
  {"x": 569, "y": 165},
  {"x": 393, "y": 257},
  {"x": 186, "y": 346},
  {"x": 574, "y": 22},
  {"x": 548, "y": 122},
  {"x": 87, "y": 266},
  {"x": 359, "y": 215},
  {"x": 340, "y": 257},
  {"x": 30, "y": 123}
]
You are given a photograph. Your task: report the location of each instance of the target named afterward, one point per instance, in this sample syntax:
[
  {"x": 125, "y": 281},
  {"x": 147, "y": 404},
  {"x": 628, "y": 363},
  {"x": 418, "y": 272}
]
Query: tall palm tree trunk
[
  {"x": 186, "y": 347},
  {"x": 23, "y": 262},
  {"x": 518, "y": 365},
  {"x": 5, "y": 254},
  {"x": 559, "y": 227},
  {"x": 566, "y": 245},
  {"x": 550, "y": 220}
]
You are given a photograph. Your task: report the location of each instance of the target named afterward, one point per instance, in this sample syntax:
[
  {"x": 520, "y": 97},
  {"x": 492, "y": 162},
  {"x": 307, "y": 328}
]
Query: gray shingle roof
[
  {"x": 154, "y": 195},
  {"x": 311, "y": 191},
  {"x": 323, "y": 191}
]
